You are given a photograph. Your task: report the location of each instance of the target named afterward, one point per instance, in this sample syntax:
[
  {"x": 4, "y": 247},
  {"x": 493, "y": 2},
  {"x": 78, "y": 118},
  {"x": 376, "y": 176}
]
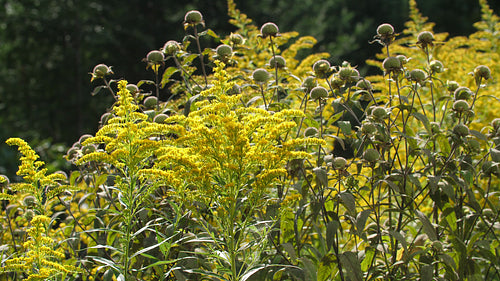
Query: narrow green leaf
[
  {"x": 352, "y": 266},
  {"x": 167, "y": 74},
  {"x": 349, "y": 202},
  {"x": 345, "y": 127},
  {"x": 327, "y": 267},
  {"x": 331, "y": 228},
  {"x": 426, "y": 272}
]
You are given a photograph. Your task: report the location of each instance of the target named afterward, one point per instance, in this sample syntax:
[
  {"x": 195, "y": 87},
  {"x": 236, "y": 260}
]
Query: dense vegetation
[{"x": 255, "y": 156}]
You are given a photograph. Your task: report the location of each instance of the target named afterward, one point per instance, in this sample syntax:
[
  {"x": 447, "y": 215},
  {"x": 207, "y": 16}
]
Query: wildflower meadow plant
[{"x": 248, "y": 160}]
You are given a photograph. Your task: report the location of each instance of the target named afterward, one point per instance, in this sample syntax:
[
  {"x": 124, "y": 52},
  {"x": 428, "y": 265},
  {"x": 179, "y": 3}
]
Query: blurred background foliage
[{"x": 49, "y": 47}]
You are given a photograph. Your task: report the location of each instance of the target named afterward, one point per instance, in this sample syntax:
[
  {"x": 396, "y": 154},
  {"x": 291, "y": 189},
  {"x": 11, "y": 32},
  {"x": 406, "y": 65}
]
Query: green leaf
[
  {"x": 331, "y": 228},
  {"x": 352, "y": 266},
  {"x": 426, "y": 272},
  {"x": 327, "y": 267},
  {"x": 367, "y": 261},
  {"x": 427, "y": 225},
  {"x": 310, "y": 271},
  {"x": 345, "y": 127},
  {"x": 349, "y": 202},
  {"x": 321, "y": 176},
  {"x": 400, "y": 238},
  {"x": 167, "y": 74}
]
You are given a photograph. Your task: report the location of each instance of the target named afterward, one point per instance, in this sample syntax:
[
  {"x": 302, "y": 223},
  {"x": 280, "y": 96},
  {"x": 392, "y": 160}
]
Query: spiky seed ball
[
  {"x": 339, "y": 163},
  {"x": 260, "y": 75},
  {"x": 100, "y": 71},
  {"x": 310, "y": 132},
  {"x": 321, "y": 68},
  {"x": 171, "y": 48},
  {"x": 452, "y": 86},
  {"x": 364, "y": 84},
  {"x": 269, "y": 29},
  {"x": 474, "y": 145},
  {"x": 319, "y": 93},
  {"x": 462, "y": 93},
  {"x": 29, "y": 215},
  {"x": 277, "y": 61},
  {"x": 236, "y": 39},
  {"x": 309, "y": 82},
  {"x": 417, "y": 75},
  {"x": 391, "y": 64},
  {"x": 371, "y": 155},
  {"x": 224, "y": 51},
  {"x": 461, "y": 130},
  {"x": 483, "y": 72},
  {"x": 150, "y": 101},
  {"x": 193, "y": 17},
  {"x": 385, "y": 30},
  {"x": 460, "y": 106},
  {"x": 436, "y": 66},
  {"x": 425, "y": 38},
  {"x": 155, "y": 57}
]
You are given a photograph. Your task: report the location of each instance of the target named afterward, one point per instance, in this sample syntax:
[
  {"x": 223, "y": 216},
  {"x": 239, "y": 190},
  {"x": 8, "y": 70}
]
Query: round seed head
[
  {"x": 101, "y": 70},
  {"x": 84, "y": 137},
  {"x": 269, "y": 29},
  {"x": 277, "y": 61},
  {"x": 160, "y": 118},
  {"x": 403, "y": 59},
  {"x": 150, "y": 101},
  {"x": 436, "y": 66},
  {"x": 193, "y": 17},
  {"x": 236, "y": 39},
  {"x": 425, "y": 38},
  {"x": 461, "y": 130},
  {"x": 452, "y": 86},
  {"x": 391, "y": 64},
  {"x": 435, "y": 127},
  {"x": 155, "y": 57},
  {"x": 483, "y": 72},
  {"x": 462, "y": 93},
  {"x": 133, "y": 89},
  {"x": 29, "y": 200},
  {"x": 309, "y": 82},
  {"x": 224, "y": 51},
  {"x": 310, "y": 132},
  {"x": 385, "y": 29},
  {"x": 348, "y": 74},
  {"x": 339, "y": 163},
  {"x": 319, "y": 93},
  {"x": 460, "y": 106},
  {"x": 260, "y": 75},
  {"x": 368, "y": 128},
  {"x": 379, "y": 113},
  {"x": 371, "y": 155},
  {"x": 321, "y": 68},
  {"x": 417, "y": 75},
  {"x": 364, "y": 84},
  {"x": 171, "y": 48}
]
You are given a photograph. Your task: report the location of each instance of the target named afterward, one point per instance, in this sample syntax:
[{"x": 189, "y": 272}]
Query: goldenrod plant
[{"x": 251, "y": 159}]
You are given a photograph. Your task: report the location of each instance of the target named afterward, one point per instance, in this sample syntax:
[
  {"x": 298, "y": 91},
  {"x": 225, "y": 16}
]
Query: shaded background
[{"x": 48, "y": 48}]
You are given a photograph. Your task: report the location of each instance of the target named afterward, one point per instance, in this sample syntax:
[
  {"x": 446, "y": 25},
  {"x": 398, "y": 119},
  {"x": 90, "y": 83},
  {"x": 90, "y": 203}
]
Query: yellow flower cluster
[{"x": 40, "y": 261}]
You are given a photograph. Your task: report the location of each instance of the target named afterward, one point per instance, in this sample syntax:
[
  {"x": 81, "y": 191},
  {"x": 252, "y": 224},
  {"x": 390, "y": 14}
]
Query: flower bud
[
  {"x": 425, "y": 38},
  {"x": 321, "y": 68},
  {"x": 171, "y": 48},
  {"x": 155, "y": 57},
  {"x": 348, "y": 74},
  {"x": 460, "y": 106},
  {"x": 339, "y": 163},
  {"x": 495, "y": 155},
  {"x": 277, "y": 61},
  {"x": 193, "y": 17},
  {"x": 319, "y": 93},
  {"x": 150, "y": 101},
  {"x": 368, "y": 128},
  {"x": 224, "y": 51},
  {"x": 436, "y": 66},
  {"x": 461, "y": 130},
  {"x": 269, "y": 29},
  {"x": 260, "y": 75},
  {"x": 462, "y": 93},
  {"x": 403, "y": 59},
  {"x": 435, "y": 127},
  {"x": 371, "y": 155}
]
